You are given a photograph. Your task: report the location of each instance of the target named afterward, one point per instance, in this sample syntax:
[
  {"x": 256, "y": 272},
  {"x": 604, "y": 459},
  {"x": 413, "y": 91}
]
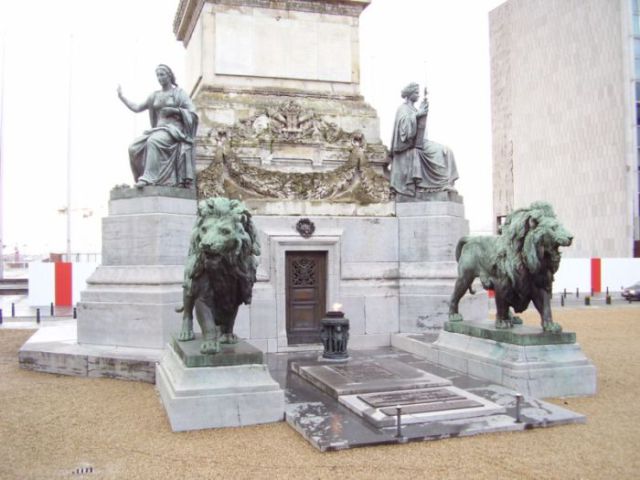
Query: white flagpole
[
  {"x": 2, "y": 80},
  {"x": 69, "y": 149}
]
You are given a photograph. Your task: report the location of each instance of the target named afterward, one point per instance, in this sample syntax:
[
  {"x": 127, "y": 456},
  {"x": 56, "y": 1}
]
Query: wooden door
[{"x": 306, "y": 295}]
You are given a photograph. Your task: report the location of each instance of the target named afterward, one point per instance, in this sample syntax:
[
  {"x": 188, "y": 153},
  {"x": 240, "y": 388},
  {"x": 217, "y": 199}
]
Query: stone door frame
[{"x": 278, "y": 246}]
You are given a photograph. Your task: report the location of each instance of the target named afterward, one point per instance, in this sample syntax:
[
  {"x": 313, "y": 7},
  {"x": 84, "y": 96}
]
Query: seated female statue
[{"x": 165, "y": 154}]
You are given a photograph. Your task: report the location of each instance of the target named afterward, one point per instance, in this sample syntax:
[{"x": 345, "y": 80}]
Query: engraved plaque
[
  {"x": 418, "y": 401},
  {"x": 359, "y": 377},
  {"x": 363, "y": 372}
]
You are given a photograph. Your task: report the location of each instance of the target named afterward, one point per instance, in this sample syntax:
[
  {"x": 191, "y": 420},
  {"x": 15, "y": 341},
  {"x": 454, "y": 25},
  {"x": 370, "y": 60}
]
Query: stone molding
[{"x": 189, "y": 10}]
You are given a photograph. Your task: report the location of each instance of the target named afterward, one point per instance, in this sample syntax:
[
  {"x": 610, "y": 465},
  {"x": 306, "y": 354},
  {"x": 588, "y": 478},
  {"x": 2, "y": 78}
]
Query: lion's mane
[
  {"x": 518, "y": 264},
  {"x": 232, "y": 275}
]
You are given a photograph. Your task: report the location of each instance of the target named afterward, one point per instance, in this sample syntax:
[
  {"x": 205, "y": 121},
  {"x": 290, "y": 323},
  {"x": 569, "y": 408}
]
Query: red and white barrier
[{"x": 57, "y": 282}]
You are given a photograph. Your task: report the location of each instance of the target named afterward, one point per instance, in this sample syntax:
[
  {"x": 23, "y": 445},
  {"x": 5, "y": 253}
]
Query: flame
[{"x": 336, "y": 307}]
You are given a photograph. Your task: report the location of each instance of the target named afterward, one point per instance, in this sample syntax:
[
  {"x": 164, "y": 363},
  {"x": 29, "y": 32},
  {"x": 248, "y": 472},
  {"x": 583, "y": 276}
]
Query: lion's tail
[{"x": 461, "y": 243}]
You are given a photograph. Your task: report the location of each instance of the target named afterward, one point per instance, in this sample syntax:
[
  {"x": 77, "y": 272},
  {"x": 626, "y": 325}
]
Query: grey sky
[{"x": 442, "y": 42}]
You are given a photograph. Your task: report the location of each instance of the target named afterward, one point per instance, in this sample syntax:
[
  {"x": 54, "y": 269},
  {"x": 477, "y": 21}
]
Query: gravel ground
[{"x": 52, "y": 425}]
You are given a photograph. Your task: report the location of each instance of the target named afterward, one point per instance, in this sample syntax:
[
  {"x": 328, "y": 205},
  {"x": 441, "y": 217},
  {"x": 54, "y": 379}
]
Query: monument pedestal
[
  {"x": 131, "y": 298},
  {"x": 235, "y": 390},
  {"x": 428, "y": 232},
  {"x": 532, "y": 362},
  {"x": 127, "y": 313}
]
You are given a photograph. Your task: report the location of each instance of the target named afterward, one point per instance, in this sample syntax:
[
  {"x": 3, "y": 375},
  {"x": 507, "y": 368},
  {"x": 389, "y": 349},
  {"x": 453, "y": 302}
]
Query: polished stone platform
[
  {"x": 329, "y": 425},
  {"x": 240, "y": 353}
]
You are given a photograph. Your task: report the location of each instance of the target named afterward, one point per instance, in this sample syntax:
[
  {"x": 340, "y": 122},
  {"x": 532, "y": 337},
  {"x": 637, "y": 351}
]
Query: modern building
[{"x": 565, "y": 80}]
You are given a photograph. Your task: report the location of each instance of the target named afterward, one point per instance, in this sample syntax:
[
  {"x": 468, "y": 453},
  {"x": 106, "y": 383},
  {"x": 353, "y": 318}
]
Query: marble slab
[
  {"x": 374, "y": 375},
  {"x": 329, "y": 425},
  {"x": 419, "y": 406}
]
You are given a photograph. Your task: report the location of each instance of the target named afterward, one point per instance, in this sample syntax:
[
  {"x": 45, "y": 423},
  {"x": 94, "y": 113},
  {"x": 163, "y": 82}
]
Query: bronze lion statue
[
  {"x": 518, "y": 265},
  {"x": 220, "y": 271}
]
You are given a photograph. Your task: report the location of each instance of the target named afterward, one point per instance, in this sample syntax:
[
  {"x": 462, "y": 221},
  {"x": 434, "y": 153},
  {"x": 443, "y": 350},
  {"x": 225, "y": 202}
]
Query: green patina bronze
[
  {"x": 165, "y": 154},
  {"x": 220, "y": 271},
  {"x": 518, "y": 265},
  {"x": 240, "y": 353},
  {"x": 518, "y": 335}
]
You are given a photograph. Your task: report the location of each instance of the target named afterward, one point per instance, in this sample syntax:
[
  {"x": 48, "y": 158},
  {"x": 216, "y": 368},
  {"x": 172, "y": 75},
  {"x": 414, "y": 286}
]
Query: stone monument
[
  {"x": 283, "y": 127},
  {"x": 217, "y": 380},
  {"x": 518, "y": 265},
  {"x": 127, "y": 313},
  {"x": 130, "y": 300}
]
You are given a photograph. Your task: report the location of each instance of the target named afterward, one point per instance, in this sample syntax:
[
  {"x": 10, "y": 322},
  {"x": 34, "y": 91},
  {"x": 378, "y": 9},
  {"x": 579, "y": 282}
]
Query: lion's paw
[
  {"x": 210, "y": 346},
  {"x": 515, "y": 320},
  {"x": 503, "y": 324},
  {"x": 455, "y": 317},
  {"x": 186, "y": 335},
  {"x": 552, "y": 327},
  {"x": 230, "y": 338}
]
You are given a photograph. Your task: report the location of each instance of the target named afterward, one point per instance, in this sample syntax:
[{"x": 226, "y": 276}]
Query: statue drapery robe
[
  {"x": 418, "y": 163},
  {"x": 164, "y": 154}
]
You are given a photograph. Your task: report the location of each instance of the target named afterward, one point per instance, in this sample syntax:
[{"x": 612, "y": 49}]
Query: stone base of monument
[
  {"x": 55, "y": 349},
  {"x": 128, "y": 310},
  {"x": 231, "y": 388},
  {"x": 524, "y": 358},
  {"x": 340, "y": 406},
  {"x": 375, "y": 389}
]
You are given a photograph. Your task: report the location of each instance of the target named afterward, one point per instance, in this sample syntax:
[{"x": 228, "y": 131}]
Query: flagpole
[
  {"x": 69, "y": 149},
  {"x": 2, "y": 80}
]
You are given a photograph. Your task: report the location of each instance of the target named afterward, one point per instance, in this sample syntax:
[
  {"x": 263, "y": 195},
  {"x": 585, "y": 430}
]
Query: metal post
[
  {"x": 562, "y": 300},
  {"x": 75, "y": 313},
  {"x": 518, "y": 407},
  {"x": 577, "y": 293},
  {"x": 399, "y": 422},
  {"x": 0, "y": 316},
  {"x": 51, "y": 309},
  {"x": 13, "y": 309},
  {"x": 37, "y": 315}
]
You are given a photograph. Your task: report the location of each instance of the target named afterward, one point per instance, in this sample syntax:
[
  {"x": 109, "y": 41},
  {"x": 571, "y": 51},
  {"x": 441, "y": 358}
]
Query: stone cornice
[{"x": 189, "y": 10}]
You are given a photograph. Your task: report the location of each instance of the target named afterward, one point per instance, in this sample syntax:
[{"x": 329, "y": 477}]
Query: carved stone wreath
[{"x": 305, "y": 227}]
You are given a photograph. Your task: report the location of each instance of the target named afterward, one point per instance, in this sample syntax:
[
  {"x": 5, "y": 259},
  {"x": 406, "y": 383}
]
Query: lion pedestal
[
  {"x": 231, "y": 388},
  {"x": 535, "y": 363}
]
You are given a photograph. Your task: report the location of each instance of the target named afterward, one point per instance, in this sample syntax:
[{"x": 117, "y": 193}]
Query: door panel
[{"x": 306, "y": 277}]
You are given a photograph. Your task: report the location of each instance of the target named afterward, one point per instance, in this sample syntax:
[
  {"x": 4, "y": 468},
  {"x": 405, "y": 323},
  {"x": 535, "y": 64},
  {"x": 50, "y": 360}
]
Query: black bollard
[
  {"x": 577, "y": 293},
  {"x": 37, "y": 315},
  {"x": 587, "y": 301},
  {"x": 13, "y": 309},
  {"x": 399, "y": 437},
  {"x": 51, "y": 309},
  {"x": 518, "y": 407},
  {"x": 0, "y": 316},
  {"x": 75, "y": 313},
  {"x": 562, "y": 300},
  {"x": 608, "y": 299}
]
